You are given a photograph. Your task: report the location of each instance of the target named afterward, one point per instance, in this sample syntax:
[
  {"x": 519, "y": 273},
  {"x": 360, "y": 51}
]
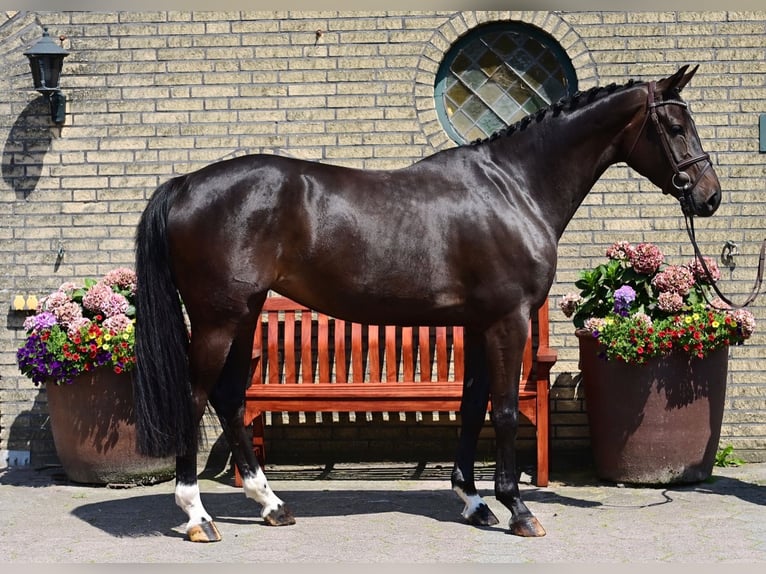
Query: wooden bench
[{"x": 315, "y": 363}]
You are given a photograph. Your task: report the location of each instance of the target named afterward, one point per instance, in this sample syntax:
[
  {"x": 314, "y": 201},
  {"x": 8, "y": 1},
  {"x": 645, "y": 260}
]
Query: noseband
[{"x": 680, "y": 179}]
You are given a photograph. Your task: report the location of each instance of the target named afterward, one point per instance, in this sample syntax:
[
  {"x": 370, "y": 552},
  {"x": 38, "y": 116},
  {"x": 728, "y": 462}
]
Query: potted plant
[
  {"x": 80, "y": 345},
  {"x": 654, "y": 346}
]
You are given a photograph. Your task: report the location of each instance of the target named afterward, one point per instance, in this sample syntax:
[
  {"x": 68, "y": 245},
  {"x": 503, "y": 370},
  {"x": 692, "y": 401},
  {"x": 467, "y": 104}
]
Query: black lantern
[{"x": 46, "y": 58}]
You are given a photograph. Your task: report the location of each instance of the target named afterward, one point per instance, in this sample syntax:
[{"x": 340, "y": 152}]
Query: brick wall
[{"x": 154, "y": 94}]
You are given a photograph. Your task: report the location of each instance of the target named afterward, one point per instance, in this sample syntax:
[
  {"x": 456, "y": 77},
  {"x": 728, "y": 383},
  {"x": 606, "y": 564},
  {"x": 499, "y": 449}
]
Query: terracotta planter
[
  {"x": 93, "y": 426},
  {"x": 654, "y": 423}
]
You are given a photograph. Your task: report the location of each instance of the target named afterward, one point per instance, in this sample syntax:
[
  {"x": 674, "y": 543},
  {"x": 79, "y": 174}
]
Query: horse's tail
[{"x": 165, "y": 422}]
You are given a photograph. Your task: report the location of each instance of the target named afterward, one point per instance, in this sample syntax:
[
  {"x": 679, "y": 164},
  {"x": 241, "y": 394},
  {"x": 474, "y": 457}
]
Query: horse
[{"x": 466, "y": 236}]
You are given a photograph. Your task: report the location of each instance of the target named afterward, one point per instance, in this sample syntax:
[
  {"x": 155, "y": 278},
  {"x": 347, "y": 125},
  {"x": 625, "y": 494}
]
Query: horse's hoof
[
  {"x": 204, "y": 532},
  {"x": 526, "y": 526},
  {"x": 280, "y": 516},
  {"x": 482, "y": 516}
]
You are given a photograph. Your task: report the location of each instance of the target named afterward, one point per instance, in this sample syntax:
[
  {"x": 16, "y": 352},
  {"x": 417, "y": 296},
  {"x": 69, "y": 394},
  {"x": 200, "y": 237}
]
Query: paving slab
[{"x": 386, "y": 513}]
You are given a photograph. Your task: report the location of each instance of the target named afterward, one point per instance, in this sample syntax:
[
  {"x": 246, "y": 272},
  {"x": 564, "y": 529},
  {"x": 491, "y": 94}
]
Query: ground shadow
[
  {"x": 144, "y": 515},
  {"x": 24, "y": 152},
  {"x": 150, "y": 515},
  {"x": 728, "y": 486}
]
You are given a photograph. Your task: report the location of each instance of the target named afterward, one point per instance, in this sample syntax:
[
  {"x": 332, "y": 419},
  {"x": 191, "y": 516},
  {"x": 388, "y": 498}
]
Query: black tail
[{"x": 165, "y": 421}]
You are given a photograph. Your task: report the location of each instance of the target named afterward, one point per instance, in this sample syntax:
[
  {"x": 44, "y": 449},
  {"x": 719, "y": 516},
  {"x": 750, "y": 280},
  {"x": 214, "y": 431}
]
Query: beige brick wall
[{"x": 162, "y": 93}]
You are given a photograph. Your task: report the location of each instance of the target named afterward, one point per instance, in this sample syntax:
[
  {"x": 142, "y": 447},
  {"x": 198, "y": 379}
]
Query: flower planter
[
  {"x": 93, "y": 427},
  {"x": 654, "y": 423}
]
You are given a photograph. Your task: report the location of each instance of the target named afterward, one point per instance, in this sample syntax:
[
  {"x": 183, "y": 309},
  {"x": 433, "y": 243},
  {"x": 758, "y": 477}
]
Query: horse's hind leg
[
  {"x": 227, "y": 398},
  {"x": 219, "y": 364},
  {"x": 200, "y": 526},
  {"x": 473, "y": 411}
]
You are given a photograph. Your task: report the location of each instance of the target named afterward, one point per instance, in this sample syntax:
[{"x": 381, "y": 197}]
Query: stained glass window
[{"x": 496, "y": 75}]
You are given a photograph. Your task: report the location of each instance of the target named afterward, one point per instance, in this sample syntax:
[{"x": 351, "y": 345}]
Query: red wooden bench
[{"x": 315, "y": 363}]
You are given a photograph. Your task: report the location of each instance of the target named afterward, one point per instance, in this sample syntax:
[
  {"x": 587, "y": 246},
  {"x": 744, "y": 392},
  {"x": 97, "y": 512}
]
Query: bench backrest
[{"x": 306, "y": 347}]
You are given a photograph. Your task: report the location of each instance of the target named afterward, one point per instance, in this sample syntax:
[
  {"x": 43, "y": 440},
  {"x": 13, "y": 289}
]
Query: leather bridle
[
  {"x": 680, "y": 179},
  {"x": 683, "y": 182}
]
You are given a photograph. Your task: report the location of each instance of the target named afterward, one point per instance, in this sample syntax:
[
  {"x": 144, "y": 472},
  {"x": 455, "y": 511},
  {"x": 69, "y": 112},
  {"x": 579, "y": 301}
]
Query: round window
[{"x": 498, "y": 74}]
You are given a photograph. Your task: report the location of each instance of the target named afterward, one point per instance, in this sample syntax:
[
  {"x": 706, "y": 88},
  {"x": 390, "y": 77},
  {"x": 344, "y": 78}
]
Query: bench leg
[
  {"x": 259, "y": 441},
  {"x": 259, "y": 446},
  {"x": 543, "y": 437}
]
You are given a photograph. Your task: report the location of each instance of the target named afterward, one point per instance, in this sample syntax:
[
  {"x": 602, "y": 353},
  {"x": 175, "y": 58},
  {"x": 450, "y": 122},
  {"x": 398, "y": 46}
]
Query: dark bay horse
[{"x": 467, "y": 236}]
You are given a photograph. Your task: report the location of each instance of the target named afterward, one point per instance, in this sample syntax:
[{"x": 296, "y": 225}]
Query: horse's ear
[
  {"x": 677, "y": 81},
  {"x": 686, "y": 77}
]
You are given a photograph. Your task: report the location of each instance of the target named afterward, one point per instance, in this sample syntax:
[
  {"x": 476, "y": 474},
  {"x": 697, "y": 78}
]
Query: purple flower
[
  {"x": 623, "y": 297},
  {"x": 39, "y": 322}
]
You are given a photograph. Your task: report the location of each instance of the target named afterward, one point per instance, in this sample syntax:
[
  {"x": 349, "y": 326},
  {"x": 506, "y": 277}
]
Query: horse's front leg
[
  {"x": 200, "y": 526},
  {"x": 505, "y": 347},
  {"x": 473, "y": 411}
]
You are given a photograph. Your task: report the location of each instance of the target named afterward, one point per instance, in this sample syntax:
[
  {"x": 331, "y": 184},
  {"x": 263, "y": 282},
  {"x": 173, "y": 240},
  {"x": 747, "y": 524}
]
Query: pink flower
[
  {"x": 68, "y": 313},
  {"x": 54, "y": 301},
  {"x": 77, "y": 324},
  {"x": 117, "y": 323},
  {"x": 719, "y": 303},
  {"x": 670, "y": 302},
  {"x": 121, "y": 277},
  {"x": 569, "y": 302},
  {"x": 116, "y": 304},
  {"x": 646, "y": 258},
  {"x": 68, "y": 286},
  {"x": 643, "y": 319},
  {"x": 674, "y": 279},
  {"x": 699, "y": 272},
  {"x": 745, "y": 320},
  {"x": 97, "y": 296},
  {"x": 621, "y": 250},
  {"x": 594, "y": 324}
]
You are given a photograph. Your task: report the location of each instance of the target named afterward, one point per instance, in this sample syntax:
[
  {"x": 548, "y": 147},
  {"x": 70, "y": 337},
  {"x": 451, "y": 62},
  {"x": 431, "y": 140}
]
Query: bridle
[
  {"x": 683, "y": 182},
  {"x": 680, "y": 179}
]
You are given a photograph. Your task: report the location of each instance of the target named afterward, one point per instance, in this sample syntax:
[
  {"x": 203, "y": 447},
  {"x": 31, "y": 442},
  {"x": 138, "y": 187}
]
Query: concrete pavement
[{"x": 386, "y": 513}]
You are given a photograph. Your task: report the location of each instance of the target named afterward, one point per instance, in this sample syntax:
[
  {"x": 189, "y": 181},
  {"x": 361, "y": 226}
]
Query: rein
[
  {"x": 689, "y": 219},
  {"x": 684, "y": 184}
]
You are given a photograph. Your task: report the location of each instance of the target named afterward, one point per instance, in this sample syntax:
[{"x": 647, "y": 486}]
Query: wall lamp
[{"x": 46, "y": 58}]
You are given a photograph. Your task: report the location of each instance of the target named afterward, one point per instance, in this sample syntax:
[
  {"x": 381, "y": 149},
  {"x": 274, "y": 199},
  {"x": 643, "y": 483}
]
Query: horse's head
[{"x": 667, "y": 150}]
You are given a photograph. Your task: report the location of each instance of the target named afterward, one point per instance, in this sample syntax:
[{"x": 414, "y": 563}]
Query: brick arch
[
  {"x": 6, "y": 16},
  {"x": 463, "y": 22}
]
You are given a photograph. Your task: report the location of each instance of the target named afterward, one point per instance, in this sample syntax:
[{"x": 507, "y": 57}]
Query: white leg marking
[
  {"x": 188, "y": 498},
  {"x": 472, "y": 501},
  {"x": 257, "y": 488}
]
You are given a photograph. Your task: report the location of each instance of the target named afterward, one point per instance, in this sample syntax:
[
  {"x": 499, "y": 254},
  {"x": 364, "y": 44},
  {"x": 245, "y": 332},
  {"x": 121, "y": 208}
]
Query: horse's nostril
[{"x": 712, "y": 203}]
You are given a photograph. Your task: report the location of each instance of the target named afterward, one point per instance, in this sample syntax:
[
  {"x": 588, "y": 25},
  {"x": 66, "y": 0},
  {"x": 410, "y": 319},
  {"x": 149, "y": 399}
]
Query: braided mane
[{"x": 576, "y": 100}]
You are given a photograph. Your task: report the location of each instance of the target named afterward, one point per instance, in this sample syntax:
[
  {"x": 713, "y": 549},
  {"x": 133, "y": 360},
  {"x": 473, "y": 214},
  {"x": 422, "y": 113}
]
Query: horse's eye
[{"x": 676, "y": 129}]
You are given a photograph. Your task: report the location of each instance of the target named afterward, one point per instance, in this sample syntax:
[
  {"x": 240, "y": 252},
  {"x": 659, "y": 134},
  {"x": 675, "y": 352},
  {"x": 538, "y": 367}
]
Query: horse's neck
[{"x": 565, "y": 157}]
